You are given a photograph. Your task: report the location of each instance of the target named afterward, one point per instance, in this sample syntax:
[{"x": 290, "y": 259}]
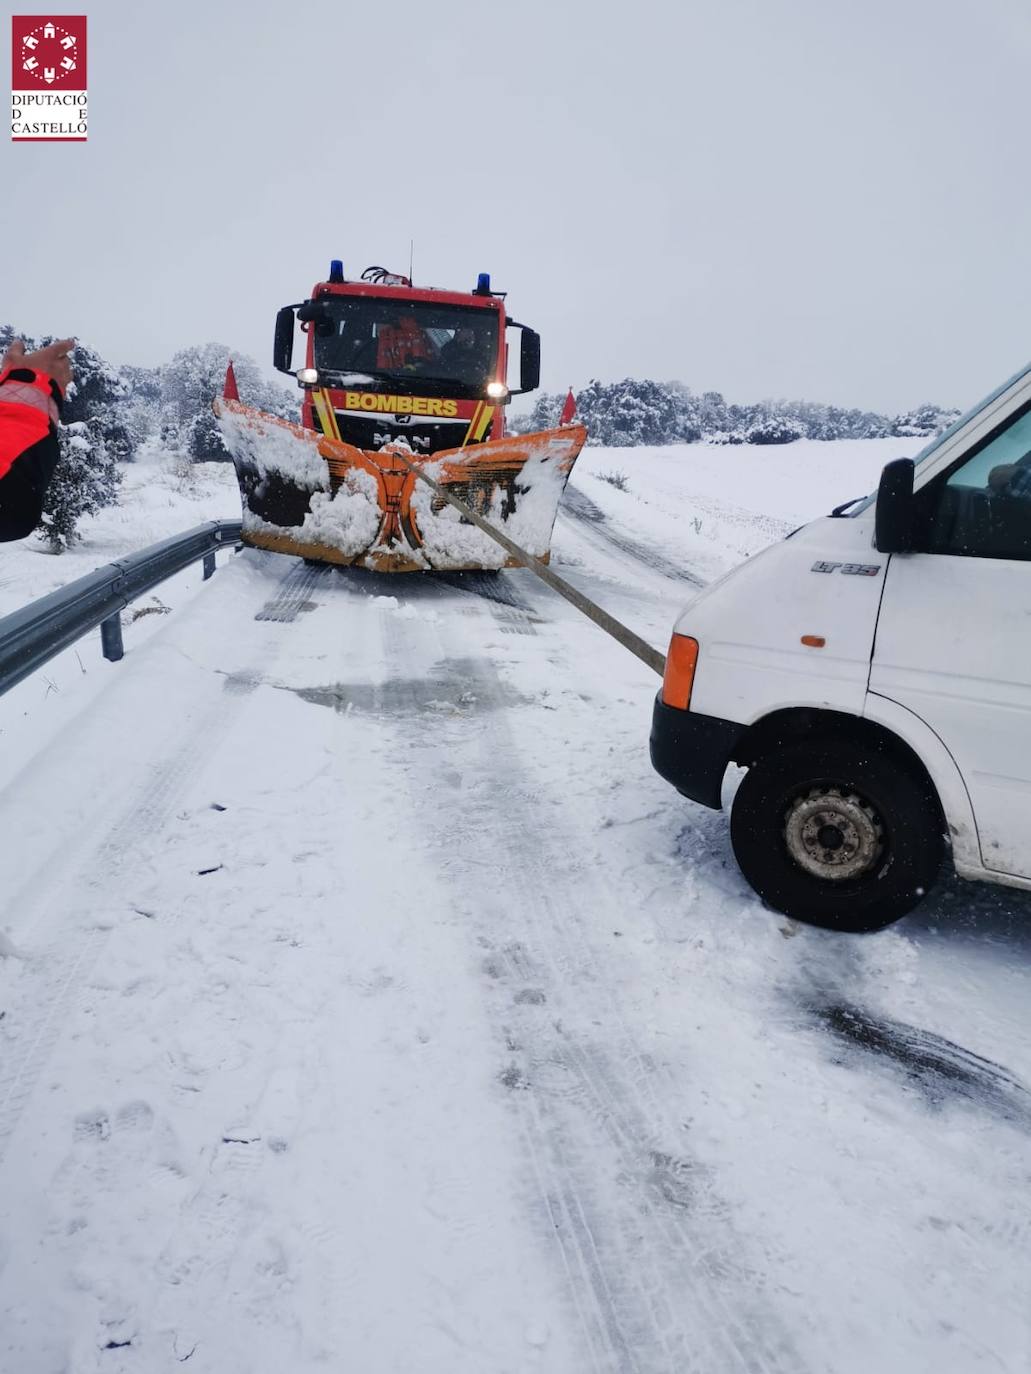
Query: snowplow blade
[{"x": 304, "y": 493}]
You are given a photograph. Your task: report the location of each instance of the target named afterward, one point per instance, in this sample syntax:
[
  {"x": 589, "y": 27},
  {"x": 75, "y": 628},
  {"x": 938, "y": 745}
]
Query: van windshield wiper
[{"x": 840, "y": 511}]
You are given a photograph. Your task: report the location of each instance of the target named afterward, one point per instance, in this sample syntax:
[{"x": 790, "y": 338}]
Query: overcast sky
[{"x": 795, "y": 198}]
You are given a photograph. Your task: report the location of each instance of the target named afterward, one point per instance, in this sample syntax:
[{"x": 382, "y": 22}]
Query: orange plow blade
[{"x": 304, "y": 493}]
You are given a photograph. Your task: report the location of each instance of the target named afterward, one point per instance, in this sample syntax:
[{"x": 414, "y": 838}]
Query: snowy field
[{"x": 369, "y": 1006}]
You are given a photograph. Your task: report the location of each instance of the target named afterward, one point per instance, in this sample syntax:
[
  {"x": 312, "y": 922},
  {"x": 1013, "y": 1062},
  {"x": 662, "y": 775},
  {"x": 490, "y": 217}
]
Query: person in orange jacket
[{"x": 32, "y": 388}]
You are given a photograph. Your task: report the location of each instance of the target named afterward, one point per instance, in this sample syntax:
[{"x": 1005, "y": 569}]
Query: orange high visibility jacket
[
  {"x": 401, "y": 344},
  {"x": 29, "y": 407}
]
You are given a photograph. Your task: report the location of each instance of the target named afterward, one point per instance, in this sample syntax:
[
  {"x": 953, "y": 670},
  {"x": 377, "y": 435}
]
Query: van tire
[{"x": 838, "y": 834}]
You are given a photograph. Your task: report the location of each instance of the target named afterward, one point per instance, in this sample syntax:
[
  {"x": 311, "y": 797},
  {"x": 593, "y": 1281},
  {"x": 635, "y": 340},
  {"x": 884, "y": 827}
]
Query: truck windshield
[{"x": 408, "y": 345}]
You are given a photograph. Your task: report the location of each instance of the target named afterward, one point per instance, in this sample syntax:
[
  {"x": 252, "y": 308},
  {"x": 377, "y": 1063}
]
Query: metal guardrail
[{"x": 33, "y": 635}]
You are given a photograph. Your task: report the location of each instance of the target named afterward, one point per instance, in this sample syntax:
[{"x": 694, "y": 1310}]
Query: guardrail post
[
  {"x": 209, "y": 565},
  {"x": 111, "y": 637}
]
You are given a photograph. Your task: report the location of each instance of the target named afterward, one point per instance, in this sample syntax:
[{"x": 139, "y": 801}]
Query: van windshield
[{"x": 865, "y": 502}]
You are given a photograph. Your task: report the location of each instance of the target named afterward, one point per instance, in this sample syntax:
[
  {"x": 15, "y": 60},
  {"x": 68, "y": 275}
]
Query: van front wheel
[{"x": 837, "y": 834}]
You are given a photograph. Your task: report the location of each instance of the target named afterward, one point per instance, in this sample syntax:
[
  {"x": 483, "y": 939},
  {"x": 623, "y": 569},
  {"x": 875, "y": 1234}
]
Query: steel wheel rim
[{"x": 834, "y": 834}]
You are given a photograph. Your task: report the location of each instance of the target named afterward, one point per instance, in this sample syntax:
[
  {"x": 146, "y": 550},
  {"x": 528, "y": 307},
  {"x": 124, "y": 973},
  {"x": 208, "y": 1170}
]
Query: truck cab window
[
  {"x": 441, "y": 349},
  {"x": 983, "y": 508}
]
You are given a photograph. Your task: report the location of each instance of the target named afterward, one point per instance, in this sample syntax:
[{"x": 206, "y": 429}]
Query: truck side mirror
[
  {"x": 318, "y": 314},
  {"x": 530, "y": 361},
  {"x": 895, "y": 517},
  {"x": 283, "y": 346}
]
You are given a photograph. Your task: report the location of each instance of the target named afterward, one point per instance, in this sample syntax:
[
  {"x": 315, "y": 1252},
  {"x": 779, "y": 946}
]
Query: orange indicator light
[{"x": 678, "y": 678}]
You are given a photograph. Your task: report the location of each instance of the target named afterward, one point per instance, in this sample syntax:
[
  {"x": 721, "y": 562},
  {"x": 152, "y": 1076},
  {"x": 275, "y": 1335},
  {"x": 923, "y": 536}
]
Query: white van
[{"x": 873, "y": 674}]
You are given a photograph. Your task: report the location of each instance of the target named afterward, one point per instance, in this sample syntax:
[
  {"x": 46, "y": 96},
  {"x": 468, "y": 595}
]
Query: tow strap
[{"x": 619, "y": 632}]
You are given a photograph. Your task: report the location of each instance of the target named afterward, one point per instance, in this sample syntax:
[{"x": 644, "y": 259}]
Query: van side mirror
[
  {"x": 283, "y": 345},
  {"x": 895, "y": 519},
  {"x": 530, "y": 361}
]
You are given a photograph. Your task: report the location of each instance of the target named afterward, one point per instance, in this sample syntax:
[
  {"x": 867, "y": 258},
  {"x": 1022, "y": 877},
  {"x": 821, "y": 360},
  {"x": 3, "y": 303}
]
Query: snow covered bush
[
  {"x": 633, "y": 412},
  {"x": 619, "y": 480},
  {"x": 924, "y": 422},
  {"x": 773, "y": 429}
]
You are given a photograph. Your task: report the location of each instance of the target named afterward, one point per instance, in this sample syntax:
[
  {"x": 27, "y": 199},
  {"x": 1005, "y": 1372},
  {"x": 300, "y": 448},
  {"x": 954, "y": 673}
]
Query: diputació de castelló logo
[{"x": 48, "y": 78}]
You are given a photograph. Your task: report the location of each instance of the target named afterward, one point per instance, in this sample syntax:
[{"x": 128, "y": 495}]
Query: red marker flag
[
  {"x": 229, "y": 391},
  {"x": 568, "y": 409}
]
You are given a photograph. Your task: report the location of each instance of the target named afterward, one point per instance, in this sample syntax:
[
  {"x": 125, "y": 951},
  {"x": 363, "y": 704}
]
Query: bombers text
[{"x": 399, "y": 405}]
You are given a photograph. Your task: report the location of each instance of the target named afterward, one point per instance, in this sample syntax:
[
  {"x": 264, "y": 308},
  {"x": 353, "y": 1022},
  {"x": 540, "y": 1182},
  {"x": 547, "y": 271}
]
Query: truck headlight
[
  {"x": 497, "y": 391},
  {"x": 307, "y": 376}
]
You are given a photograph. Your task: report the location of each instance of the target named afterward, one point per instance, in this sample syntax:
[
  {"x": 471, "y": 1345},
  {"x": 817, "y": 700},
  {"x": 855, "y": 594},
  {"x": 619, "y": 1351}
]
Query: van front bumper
[{"x": 692, "y": 751}]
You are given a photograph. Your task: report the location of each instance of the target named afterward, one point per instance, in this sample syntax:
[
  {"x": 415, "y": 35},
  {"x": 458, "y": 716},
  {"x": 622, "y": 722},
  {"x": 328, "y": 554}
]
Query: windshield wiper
[
  {"x": 408, "y": 382},
  {"x": 839, "y": 511},
  {"x": 369, "y": 373}
]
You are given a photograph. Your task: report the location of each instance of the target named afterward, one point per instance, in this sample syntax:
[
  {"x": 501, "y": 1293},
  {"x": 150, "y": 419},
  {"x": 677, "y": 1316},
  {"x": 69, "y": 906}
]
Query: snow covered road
[{"x": 370, "y": 1005}]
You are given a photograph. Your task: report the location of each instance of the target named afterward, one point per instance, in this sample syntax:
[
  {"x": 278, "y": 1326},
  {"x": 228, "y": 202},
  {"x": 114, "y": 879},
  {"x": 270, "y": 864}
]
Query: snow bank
[{"x": 711, "y": 506}]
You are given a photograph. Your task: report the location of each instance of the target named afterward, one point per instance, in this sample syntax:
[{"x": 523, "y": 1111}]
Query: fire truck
[{"x": 394, "y": 378}]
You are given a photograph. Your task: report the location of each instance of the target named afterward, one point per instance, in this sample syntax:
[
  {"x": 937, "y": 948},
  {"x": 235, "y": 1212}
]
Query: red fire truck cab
[{"x": 386, "y": 361}]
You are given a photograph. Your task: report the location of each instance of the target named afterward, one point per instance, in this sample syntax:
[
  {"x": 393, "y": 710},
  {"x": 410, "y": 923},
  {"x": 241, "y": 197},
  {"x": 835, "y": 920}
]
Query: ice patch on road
[{"x": 448, "y": 688}]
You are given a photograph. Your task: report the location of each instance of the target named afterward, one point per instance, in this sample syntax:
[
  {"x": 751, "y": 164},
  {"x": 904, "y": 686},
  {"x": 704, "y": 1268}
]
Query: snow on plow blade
[{"x": 306, "y": 494}]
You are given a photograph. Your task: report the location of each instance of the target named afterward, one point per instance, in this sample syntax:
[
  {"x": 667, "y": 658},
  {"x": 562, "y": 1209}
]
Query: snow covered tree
[
  {"x": 142, "y": 404},
  {"x": 192, "y": 380},
  {"x": 99, "y": 395},
  {"x": 85, "y": 480},
  {"x": 720, "y": 423},
  {"x": 628, "y": 413},
  {"x": 688, "y": 411},
  {"x": 547, "y": 408}
]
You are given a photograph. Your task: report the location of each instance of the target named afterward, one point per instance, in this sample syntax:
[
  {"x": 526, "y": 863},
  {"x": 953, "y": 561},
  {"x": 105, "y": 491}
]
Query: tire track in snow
[
  {"x": 940, "y": 1069},
  {"x": 37, "y": 1013},
  {"x": 595, "y": 525},
  {"x": 611, "y": 1093},
  {"x": 495, "y": 587},
  {"x": 291, "y": 597},
  {"x": 652, "y": 1266},
  {"x": 507, "y": 602}
]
